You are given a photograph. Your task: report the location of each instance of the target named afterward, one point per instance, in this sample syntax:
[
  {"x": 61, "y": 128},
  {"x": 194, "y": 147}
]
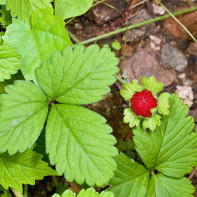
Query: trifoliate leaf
[
  {"x": 79, "y": 143},
  {"x": 78, "y": 77},
  {"x": 131, "y": 178},
  {"x": 130, "y": 89},
  {"x": 23, "y": 111},
  {"x": 163, "y": 103},
  {"x": 171, "y": 148},
  {"x": 131, "y": 118},
  {"x": 71, "y": 8},
  {"x": 152, "y": 85},
  {"x": 85, "y": 193},
  {"x": 22, "y": 168},
  {"x": 37, "y": 42},
  {"x": 23, "y": 9},
  {"x": 161, "y": 185},
  {"x": 5, "y": 18},
  {"x": 9, "y": 61}
]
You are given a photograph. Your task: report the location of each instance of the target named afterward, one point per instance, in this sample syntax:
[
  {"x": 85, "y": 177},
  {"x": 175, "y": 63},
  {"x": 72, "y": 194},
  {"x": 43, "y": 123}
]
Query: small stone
[
  {"x": 78, "y": 26},
  {"x": 188, "y": 20},
  {"x": 182, "y": 76},
  {"x": 155, "y": 39},
  {"x": 103, "y": 13},
  {"x": 173, "y": 58},
  {"x": 145, "y": 63},
  {"x": 192, "y": 49},
  {"x": 186, "y": 93},
  {"x": 140, "y": 33},
  {"x": 158, "y": 9}
]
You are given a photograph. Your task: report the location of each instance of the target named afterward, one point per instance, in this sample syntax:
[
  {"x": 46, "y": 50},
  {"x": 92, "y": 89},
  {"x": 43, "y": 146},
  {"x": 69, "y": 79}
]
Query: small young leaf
[
  {"x": 131, "y": 178},
  {"x": 78, "y": 77},
  {"x": 23, "y": 9},
  {"x": 9, "y": 61},
  {"x": 85, "y": 193},
  {"x": 23, "y": 111},
  {"x": 171, "y": 148},
  {"x": 152, "y": 85},
  {"x": 22, "y": 168},
  {"x": 71, "y": 8},
  {"x": 79, "y": 143},
  {"x": 37, "y": 42},
  {"x": 161, "y": 185}
]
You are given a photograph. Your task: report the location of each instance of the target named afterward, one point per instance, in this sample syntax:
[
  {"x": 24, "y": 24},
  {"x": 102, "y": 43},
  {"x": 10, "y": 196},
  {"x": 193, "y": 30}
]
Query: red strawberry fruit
[{"x": 142, "y": 102}]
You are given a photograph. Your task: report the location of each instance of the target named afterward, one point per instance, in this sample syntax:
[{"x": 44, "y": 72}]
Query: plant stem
[
  {"x": 73, "y": 37},
  {"x": 183, "y": 26},
  {"x": 138, "y": 25},
  {"x": 25, "y": 190},
  {"x": 120, "y": 79},
  {"x": 17, "y": 193},
  {"x": 55, "y": 181}
]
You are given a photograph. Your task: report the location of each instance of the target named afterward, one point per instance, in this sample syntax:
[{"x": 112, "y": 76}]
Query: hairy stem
[{"x": 138, "y": 25}]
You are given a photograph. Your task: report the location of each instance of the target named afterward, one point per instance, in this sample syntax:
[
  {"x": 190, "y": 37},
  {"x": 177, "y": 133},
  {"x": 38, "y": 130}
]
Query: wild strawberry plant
[
  {"x": 45, "y": 83},
  {"x": 56, "y": 80},
  {"x": 168, "y": 151}
]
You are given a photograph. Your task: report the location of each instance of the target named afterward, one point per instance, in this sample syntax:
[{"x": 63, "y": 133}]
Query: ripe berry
[{"x": 142, "y": 102}]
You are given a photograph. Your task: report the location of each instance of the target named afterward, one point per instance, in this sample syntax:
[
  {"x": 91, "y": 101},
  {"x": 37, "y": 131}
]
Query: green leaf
[
  {"x": 23, "y": 9},
  {"x": 152, "y": 85},
  {"x": 71, "y": 8},
  {"x": 131, "y": 178},
  {"x": 130, "y": 89},
  {"x": 85, "y": 193},
  {"x": 5, "y": 18},
  {"x": 163, "y": 103},
  {"x": 36, "y": 43},
  {"x": 116, "y": 45},
  {"x": 131, "y": 118},
  {"x": 152, "y": 122},
  {"x": 5, "y": 193},
  {"x": 161, "y": 185},
  {"x": 2, "y": 2},
  {"x": 17, "y": 76},
  {"x": 78, "y": 77},
  {"x": 9, "y": 61},
  {"x": 171, "y": 148},
  {"x": 22, "y": 168},
  {"x": 23, "y": 111},
  {"x": 79, "y": 143}
]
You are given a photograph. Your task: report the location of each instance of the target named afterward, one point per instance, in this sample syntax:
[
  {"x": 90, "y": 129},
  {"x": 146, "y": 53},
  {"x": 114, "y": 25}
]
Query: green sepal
[
  {"x": 152, "y": 122},
  {"x": 130, "y": 89},
  {"x": 85, "y": 193},
  {"x": 152, "y": 85},
  {"x": 130, "y": 118},
  {"x": 163, "y": 103}
]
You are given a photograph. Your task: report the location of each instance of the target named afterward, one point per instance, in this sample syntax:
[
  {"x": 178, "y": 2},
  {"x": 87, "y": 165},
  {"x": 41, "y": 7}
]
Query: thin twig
[
  {"x": 137, "y": 4},
  {"x": 112, "y": 7},
  {"x": 70, "y": 20},
  {"x": 138, "y": 25},
  {"x": 192, "y": 174},
  {"x": 26, "y": 190},
  {"x": 181, "y": 24},
  {"x": 73, "y": 37}
]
